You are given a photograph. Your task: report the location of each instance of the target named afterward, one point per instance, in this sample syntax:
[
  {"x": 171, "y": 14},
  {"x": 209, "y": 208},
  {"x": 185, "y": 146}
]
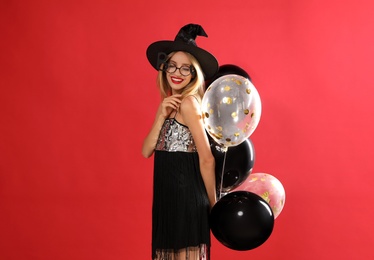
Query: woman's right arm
[
  {"x": 163, "y": 111},
  {"x": 150, "y": 141}
]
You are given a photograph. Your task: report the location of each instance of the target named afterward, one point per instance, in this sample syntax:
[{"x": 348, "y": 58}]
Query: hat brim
[{"x": 207, "y": 61}]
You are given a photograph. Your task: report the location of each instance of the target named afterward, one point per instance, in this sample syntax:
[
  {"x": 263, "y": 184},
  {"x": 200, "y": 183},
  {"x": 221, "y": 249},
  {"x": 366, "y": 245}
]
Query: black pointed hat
[{"x": 184, "y": 41}]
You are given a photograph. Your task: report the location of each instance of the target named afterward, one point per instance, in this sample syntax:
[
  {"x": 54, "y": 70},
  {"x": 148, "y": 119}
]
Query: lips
[{"x": 176, "y": 80}]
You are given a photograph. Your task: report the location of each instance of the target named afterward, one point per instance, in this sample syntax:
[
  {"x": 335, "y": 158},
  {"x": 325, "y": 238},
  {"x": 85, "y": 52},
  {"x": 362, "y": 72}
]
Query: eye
[
  {"x": 185, "y": 69},
  {"x": 170, "y": 67}
]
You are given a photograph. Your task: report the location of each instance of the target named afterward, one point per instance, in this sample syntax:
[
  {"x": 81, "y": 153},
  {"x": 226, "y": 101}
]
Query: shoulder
[
  {"x": 190, "y": 103},
  {"x": 190, "y": 109}
]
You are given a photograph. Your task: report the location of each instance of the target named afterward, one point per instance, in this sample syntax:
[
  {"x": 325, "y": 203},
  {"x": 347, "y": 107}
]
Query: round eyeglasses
[{"x": 184, "y": 70}]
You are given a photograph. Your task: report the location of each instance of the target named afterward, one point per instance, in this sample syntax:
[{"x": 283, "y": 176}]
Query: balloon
[
  {"x": 237, "y": 165},
  {"x": 241, "y": 220},
  {"x": 231, "y": 109},
  {"x": 268, "y": 187},
  {"x": 228, "y": 69}
]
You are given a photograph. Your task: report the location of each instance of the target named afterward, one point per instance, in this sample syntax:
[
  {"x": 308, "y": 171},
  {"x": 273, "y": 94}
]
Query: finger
[
  {"x": 172, "y": 100},
  {"x": 175, "y": 100},
  {"x": 171, "y": 105}
]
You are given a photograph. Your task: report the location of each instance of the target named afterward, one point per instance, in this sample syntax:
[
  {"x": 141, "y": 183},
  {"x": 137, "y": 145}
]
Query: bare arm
[
  {"x": 163, "y": 111},
  {"x": 191, "y": 115}
]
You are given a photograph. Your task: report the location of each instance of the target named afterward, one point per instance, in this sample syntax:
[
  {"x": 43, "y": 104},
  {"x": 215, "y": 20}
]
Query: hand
[{"x": 169, "y": 104}]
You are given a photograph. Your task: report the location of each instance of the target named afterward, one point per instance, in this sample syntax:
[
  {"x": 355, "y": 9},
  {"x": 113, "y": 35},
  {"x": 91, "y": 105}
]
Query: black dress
[{"x": 180, "y": 210}]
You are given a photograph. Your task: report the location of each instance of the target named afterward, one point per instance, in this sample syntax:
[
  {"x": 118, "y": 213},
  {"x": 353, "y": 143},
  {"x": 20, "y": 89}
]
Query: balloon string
[{"x": 223, "y": 171}]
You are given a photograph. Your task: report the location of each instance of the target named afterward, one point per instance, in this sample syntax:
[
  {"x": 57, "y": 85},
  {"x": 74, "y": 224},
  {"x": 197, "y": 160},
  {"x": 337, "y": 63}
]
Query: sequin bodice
[{"x": 175, "y": 137}]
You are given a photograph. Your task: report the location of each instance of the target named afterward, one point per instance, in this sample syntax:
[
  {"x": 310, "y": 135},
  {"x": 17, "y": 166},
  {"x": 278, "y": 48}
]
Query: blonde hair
[{"x": 194, "y": 87}]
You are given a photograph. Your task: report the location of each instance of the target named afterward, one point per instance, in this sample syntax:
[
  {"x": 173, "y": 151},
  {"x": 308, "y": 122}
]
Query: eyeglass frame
[{"x": 167, "y": 66}]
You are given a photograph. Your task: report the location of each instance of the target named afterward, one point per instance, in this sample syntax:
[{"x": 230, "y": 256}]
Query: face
[{"x": 176, "y": 80}]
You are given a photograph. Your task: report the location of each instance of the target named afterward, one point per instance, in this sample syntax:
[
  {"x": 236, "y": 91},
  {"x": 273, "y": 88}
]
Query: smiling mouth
[{"x": 176, "y": 80}]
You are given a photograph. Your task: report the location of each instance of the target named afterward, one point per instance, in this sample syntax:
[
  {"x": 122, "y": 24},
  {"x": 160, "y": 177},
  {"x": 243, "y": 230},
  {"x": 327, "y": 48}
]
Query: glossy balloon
[
  {"x": 236, "y": 167},
  {"x": 241, "y": 220},
  {"x": 231, "y": 109},
  {"x": 227, "y": 69},
  {"x": 268, "y": 187}
]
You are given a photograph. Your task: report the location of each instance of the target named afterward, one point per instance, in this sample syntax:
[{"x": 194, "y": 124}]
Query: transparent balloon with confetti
[{"x": 231, "y": 108}]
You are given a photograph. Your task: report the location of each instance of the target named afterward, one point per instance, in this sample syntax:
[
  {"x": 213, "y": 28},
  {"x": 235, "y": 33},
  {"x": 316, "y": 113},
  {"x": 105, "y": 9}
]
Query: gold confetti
[
  {"x": 252, "y": 114},
  {"x": 246, "y": 111},
  {"x": 207, "y": 115},
  {"x": 227, "y": 100},
  {"x": 236, "y": 134},
  {"x": 238, "y": 82},
  {"x": 265, "y": 196},
  {"x": 211, "y": 111},
  {"x": 214, "y": 135},
  {"x": 227, "y": 88},
  {"x": 228, "y": 140},
  {"x": 234, "y": 115},
  {"x": 219, "y": 128},
  {"x": 248, "y": 91}
]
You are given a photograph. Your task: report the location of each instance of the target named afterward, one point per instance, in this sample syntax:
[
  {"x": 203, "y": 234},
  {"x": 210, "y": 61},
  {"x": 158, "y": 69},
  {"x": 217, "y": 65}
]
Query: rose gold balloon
[{"x": 268, "y": 187}]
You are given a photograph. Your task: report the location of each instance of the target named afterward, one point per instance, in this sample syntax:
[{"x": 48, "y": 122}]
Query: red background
[{"x": 78, "y": 96}]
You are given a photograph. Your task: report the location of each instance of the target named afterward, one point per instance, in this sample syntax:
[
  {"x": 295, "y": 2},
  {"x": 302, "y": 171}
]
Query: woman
[{"x": 184, "y": 178}]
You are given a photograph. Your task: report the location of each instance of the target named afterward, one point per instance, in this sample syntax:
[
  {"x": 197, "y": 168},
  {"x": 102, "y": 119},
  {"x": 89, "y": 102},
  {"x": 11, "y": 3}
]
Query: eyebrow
[{"x": 184, "y": 64}]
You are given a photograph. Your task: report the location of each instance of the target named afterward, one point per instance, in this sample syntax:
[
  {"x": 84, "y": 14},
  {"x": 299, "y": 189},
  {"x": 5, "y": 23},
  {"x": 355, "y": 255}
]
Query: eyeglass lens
[{"x": 184, "y": 70}]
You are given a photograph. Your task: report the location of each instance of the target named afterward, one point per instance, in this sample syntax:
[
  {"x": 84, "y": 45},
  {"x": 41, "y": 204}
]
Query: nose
[{"x": 179, "y": 71}]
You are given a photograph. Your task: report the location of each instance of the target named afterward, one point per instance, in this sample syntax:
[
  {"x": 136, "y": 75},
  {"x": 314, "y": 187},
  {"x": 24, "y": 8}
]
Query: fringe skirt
[{"x": 180, "y": 211}]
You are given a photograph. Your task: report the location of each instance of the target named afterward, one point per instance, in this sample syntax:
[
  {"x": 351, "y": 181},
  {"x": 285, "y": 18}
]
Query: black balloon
[
  {"x": 241, "y": 220},
  {"x": 239, "y": 163},
  {"x": 228, "y": 69}
]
